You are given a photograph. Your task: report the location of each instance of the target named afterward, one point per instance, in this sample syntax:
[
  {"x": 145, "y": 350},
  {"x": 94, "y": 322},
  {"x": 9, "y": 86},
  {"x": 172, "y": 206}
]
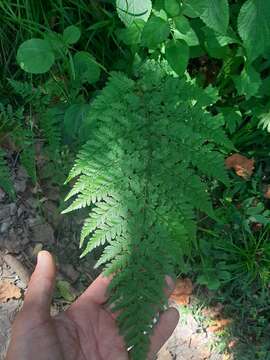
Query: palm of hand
[{"x": 86, "y": 331}]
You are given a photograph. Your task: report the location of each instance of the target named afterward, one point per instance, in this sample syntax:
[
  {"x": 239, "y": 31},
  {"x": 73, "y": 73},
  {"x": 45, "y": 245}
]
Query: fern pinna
[{"x": 151, "y": 140}]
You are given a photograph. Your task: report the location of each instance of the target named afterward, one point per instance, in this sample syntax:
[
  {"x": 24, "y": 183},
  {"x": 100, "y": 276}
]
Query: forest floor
[{"x": 32, "y": 223}]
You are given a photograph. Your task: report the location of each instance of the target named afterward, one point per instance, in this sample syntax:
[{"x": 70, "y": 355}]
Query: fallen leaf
[
  {"x": 242, "y": 165},
  {"x": 267, "y": 192},
  {"x": 219, "y": 325},
  {"x": 8, "y": 291},
  {"x": 183, "y": 290},
  {"x": 65, "y": 290}
]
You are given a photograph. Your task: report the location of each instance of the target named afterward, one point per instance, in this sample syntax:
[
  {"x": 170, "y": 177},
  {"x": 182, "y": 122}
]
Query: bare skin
[{"x": 86, "y": 331}]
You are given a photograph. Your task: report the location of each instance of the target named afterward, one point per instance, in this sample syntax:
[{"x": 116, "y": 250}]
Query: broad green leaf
[
  {"x": 177, "y": 54},
  {"x": 212, "y": 45},
  {"x": 215, "y": 14},
  {"x": 35, "y": 56},
  {"x": 86, "y": 68},
  {"x": 57, "y": 43},
  {"x": 184, "y": 31},
  {"x": 248, "y": 82},
  {"x": 193, "y": 8},
  {"x": 210, "y": 280},
  {"x": 254, "y": 27},
  {"x": 156, "y": 31},
  {"x": 131, "y": 10},
  {"x": 132, "y": 34},
  {"x": 172, "y": 7},
  {"x": 71, "y": 34}
]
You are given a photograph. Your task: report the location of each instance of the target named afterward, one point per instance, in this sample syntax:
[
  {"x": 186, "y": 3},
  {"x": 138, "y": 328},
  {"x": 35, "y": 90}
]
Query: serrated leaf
[
  {"x": 35, "y": 56},
  {"x": 215, "y": 14},
  {"x": 132, "y": 34},
  {"x": 86, "y": 68},
  {"x": 254, "y": 27},
  {"x": 177, "y": 54},
  {"x": 71, "y": 34},
  {"x": 156, "y": 31},
  {"x": 184, "y": 31},
  {"x": 131, "y": 10},
  {"x": 248, "y": 82},
  {"x": 172, "y": 7}
]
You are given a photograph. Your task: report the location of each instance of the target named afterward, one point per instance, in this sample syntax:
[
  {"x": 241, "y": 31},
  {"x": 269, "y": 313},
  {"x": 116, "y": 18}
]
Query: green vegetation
[{"x": 141, "y": 102}]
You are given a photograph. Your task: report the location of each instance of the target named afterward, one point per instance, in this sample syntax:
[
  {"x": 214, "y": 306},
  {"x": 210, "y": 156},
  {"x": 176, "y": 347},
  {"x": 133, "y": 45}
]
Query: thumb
[{"x": 40, "y": 289}]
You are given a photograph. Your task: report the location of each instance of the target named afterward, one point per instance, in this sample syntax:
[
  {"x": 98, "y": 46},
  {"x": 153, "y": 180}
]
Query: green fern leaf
[
  {"x": 5, "y": 177},
  {"x": 152, "y": 143}
]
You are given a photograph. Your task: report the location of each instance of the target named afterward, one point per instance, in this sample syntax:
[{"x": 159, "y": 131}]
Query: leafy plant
[
  {"x": 5, "y": 177},
  {"x": 141, "y": 174}
]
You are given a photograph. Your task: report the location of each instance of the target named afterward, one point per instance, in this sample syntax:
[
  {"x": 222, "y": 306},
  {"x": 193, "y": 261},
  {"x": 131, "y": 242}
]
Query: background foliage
[{"x": 56, "y": 57}]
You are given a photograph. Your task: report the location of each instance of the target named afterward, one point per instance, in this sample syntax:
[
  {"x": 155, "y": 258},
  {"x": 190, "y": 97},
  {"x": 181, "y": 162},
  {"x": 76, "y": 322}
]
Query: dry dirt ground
[{"x": 32, "y": 222}]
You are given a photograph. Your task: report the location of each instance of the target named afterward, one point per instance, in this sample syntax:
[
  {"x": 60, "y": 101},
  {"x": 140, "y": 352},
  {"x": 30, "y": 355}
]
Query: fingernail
[{"x": 41, "y": 258}]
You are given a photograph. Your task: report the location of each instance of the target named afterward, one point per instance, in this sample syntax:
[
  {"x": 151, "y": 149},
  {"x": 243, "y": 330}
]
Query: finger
[
  {"x": 40, "y": 289},
  {"x": 97, "y": 291},
  {"x": 163, "y": 330}
]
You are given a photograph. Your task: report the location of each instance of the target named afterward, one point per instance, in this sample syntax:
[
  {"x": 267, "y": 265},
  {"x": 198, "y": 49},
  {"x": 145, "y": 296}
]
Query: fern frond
[
  {"x": 50, "y": 125},
  {"x": 141, "y": 174},
  {"x": 25, "y": 90},
  {"x": 5, "y": 176}
]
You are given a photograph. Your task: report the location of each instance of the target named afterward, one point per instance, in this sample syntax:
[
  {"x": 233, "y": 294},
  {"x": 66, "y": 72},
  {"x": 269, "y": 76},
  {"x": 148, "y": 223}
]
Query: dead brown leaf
[
  {"x": 183, "y": 290},
  {"x": 243, "y": 166},
  {"x": 266, "y": 192},
  {"x": 219, "y": 325},
  {"x": 8, "y": 291}
]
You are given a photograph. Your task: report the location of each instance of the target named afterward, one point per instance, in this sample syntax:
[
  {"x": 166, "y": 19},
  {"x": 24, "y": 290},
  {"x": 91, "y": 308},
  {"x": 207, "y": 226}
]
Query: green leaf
[
  {"x": 193, "y": 8},
  {"x": 232, "y": 117},
  {"x": 254, "y": 27},
  {"x": 184, "y": 31},
  {"x": 35, "y": 56},
  {"x": 57, "y": 43},
  {"x": 264, "y": 122},
  {"x": 71, "y": 34},
  {"x": 86, "y": 68},
  {"x": 177, "y": 54},
  {"x": 210, "y": 280},
  {"x": 172, "y": 7},
  {"x": 248, "y": 82},
  {"x": 131, "y": 10},
  {"x": 215, "y": 14},
  {"x": 213, "y": 47},
  {"x": 65, "y": 291},
  {"x": 132, "y": 34},
  {"x": 156, "y": 31}
]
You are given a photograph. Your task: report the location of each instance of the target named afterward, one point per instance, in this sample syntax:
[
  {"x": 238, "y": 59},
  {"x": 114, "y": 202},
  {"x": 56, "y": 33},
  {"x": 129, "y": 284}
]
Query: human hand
[{"x": 86, "y": 331}]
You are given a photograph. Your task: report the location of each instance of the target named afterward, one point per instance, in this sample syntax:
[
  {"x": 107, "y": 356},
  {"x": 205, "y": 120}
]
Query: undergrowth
[{"x": 77, "y": 75}]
